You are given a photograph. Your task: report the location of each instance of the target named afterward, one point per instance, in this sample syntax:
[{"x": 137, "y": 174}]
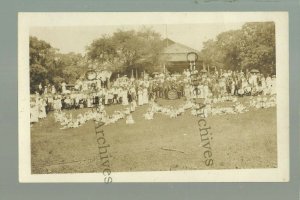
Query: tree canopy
[
  {"x": 126, "y": 50},
  {"x": 252, "y": 46},
  {"x": 48, "y": 66}
]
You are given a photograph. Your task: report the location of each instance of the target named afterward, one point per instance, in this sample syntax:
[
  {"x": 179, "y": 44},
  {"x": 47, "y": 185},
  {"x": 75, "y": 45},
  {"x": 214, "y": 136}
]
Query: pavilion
[{"x": 175, "y": 56}]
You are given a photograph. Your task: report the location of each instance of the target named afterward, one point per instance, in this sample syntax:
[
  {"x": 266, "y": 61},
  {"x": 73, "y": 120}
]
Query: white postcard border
[{"x": 281, "y": 173}]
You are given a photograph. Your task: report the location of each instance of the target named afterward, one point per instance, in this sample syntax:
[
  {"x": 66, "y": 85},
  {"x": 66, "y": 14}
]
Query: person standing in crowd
[
  {"x": 45, "y": 90},
  {"x": 222, "y": 84},
  {"x": 140, "y": 96},
  {"x": 165, "y": 89},
  {"x": 187, "y": 92},
  {"x": 49, "y": 102},
  {"x": 57, "y": 104},
  {"x": 53, "y": 90},
  {"x": 124, "y": 97},
  {"x": 263, "y": 85},
  {"x": 110, "y": 95},
  {"x": 115, "y": 93},
  {"x": 269, "y": 84},
  {"x": 40, "y": 89},
  {"x": 133, "y": 93},
  {"x": 63, "y": 87},
  {"x": 105, "y": 95},
  {"x": 232, "y": 87},
  {"x": 205, "y": 90},
  {"x": 145, "y": 96},
  {"x": 42, "y": 108}
]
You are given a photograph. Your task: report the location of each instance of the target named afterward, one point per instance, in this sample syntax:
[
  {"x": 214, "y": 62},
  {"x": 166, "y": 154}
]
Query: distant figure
[
  {"x": 63, "y": 87},
  {"x": 145, "y": 96},
  {"x": 140, "y": 97},
  {"x": 124, "y": 97},
  {"x": 40, "y": 88},
  {"x": 53, "y": 90},
  {"x": 45, "y": 90}
]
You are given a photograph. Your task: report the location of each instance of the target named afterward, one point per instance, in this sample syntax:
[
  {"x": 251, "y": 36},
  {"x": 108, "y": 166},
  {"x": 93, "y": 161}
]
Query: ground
[{"x": 239, "y": 141}]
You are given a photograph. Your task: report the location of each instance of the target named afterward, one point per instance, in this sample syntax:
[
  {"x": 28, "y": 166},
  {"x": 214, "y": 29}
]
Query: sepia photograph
[{"x": 155, "y": 97}]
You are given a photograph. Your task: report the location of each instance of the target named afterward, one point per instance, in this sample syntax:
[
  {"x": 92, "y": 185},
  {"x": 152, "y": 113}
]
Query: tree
[
  {"x": 41, "y": 59},
  {"x": 47, "y": 65},
  {"x": 126, "y": 50},
  {"x": 252, "y": 46},
  {"x": 258, "y": 46}
]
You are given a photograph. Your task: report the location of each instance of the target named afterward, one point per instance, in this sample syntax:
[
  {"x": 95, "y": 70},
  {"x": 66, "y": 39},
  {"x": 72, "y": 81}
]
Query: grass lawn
[{"x": 241, "y": 141}]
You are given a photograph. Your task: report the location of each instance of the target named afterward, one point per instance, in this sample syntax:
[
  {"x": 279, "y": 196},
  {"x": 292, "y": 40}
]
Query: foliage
[
  {"x": 48, "y": 66},
  {"x": 252, "y": 46},
  {"x": 126, "y": 50}
]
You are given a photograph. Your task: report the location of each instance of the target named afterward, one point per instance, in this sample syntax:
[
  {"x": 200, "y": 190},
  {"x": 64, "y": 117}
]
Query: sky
[{"x": 77, "y": 38}]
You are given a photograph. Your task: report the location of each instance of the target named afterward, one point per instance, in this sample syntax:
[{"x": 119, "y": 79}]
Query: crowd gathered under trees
[{"x": 233, "y": 54}]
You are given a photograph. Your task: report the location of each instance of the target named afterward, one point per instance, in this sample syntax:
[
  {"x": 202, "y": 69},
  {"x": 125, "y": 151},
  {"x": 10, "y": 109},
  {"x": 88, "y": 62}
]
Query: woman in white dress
[
  {"x": 133, "y": 93},
  {"x": 269, "y": 84},
  {"x": 45, "y": 90},
  {"x": 110, "y": 96},
  {"x": 232, "y": 87},
  {"x": 187, "y": 92},
  {"x": 193, "y": 91},
  {"x": 53, "y": 90},
  {"x": 105, "y": 93},
  {"x": 145, "y": 96},
  {"x": 42, "y": 108},
  {"x": 124, "y": 97},
  {"x": 222, "y": 86},
  {"x": 57, "y": 104},
  {"x": 200, "y": 91},
  {"x": 140, "y": 97},
  {"x": 63, "y": 87},
  {"x": 88, "y": 102},
  {"x": 205, "y": 91}
]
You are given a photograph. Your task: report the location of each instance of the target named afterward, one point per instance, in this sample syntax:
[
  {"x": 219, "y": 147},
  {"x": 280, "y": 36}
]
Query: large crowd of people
[{"x": 136, "y": 92}]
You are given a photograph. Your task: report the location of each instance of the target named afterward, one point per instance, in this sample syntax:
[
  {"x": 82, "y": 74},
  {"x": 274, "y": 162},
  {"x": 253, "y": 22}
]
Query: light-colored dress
[
  {"x": 63, "y": 87},
  {"x": 88, "y": 102},
  {"x": 269, "y": 84},
  {"x": 200, "y": 91},
  {"x": 124, "y": 98},
  {"x": 187, "y": 92},
  {"x": 145, "y": 96},
  {"x": 57, "y": 104},
  {"x": 53, "y": 90},
  {"x": 42, "y": 109},
  {"x": 205, "y": 91},
  {"x": 140, "y": 97}
]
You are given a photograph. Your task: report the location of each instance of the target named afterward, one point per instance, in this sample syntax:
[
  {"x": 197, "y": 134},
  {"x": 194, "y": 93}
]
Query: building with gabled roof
[{"x": 175, "y": 56}]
